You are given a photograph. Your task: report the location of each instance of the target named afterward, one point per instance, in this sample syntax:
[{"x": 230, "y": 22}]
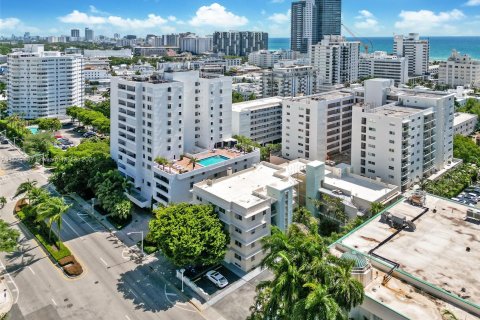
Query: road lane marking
[
  {"x": 106, "y": 264},
  {"x": 75, "y": 231},
  {"x": 16, "y": 289},
  {"x": 54, "y": 302},
  {"x": 133, "y": 293},
  {"x": 31, "y": 270}
]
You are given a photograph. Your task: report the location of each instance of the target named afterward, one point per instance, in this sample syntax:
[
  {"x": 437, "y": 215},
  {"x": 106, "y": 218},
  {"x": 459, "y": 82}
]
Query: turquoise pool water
[
  {"x": 33, "y": 130},
  {"x": 212, "y": 160}
]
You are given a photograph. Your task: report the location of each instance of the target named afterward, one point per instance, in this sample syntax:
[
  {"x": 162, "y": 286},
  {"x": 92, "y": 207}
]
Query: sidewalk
[{"x": 6, "y": 301}]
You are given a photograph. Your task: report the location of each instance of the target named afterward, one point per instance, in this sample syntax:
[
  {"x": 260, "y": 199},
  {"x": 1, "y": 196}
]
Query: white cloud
[
  {"x": 172, "y": 18},
  {"x": 9, "y": 23},
  {"x": 428, "y": 21},
  {"x": 217, "y": 15},
  {"x": 82, "y": 18},
  {"x": 150, "y": 21},
  {"x": 277, "y": 1},
  {"x": 472, "y": 3},
  {"x": 280, "y": 18},
  {"x": 366, "y": 20}
]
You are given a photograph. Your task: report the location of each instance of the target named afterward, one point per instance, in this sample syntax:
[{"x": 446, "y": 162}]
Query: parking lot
[
  {"x": 69, "y": 133},
  {"x": 469, "y": 197},
  {"x": 209, "y": 287}
]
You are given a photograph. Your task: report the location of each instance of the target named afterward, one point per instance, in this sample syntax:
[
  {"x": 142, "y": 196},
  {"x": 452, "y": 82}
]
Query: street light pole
[
  {"x": 182, "y": 271},
  {"x": 140, "y": 232}
]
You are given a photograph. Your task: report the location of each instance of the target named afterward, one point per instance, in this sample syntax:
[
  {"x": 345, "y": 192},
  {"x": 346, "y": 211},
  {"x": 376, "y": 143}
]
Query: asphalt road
[{"x": 115, "y": 284}]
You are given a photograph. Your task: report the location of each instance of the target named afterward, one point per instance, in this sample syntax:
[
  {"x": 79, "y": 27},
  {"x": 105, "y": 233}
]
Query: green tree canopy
[
  {"x": 49, "y": 124},
  {"x": 308, "y": 282},
  {"x": 189, "y": 234},
  {"x": 38, "y": 143},
  {"x": 8, "y": 237}
]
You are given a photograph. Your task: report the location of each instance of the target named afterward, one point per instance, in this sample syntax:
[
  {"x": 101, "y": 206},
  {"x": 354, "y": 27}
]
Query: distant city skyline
[{"x": 366, "y": 18}]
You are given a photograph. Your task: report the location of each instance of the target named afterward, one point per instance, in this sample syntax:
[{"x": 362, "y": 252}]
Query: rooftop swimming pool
[
  {"x": 33, "y": 129},
  {"x": 210, "y": 161}
]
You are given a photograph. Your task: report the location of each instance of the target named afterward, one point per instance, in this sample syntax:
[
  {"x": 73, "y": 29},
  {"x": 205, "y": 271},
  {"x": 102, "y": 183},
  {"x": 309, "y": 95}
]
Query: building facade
[
  {"x": 89, "y": 35},
  {"x": 259, "y": 120},
  {"x": 239, "y": 43},
  {"x": 75, "y": 33},
  {"x": 43, "y": 84},
  {"x": 336, "y": 60},
  {"x": 317, "y": 127},
  {"x": 382, "y": 65},
  {"x": 465, "y": 124},
  {"x": 196, "y": 45},
  {"x": 179, "y": 116},
  {"x": 311, "y": 20},
  {"x": 459, "y": 70},
  {"x": 416, "y": 50},
  {"x": 289, "y": 80},
  {"x": 404, "y": 135}
]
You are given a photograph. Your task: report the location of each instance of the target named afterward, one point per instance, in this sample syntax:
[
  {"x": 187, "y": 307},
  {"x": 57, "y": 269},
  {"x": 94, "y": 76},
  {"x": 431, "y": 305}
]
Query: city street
[{"x": 115, "y": 283}]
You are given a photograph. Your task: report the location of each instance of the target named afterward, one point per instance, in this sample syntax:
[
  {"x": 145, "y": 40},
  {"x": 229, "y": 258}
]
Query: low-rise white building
[
  {"x": 121, "y": 53},
  {"x": 382, "y": 65},
  {"x": 403, "y": 257},
  {"x": 251, "y": 201},
  {"x": 95, "y": 74},
  {"x": 465, "y": 123},
  {"x": 259, "y": 120},
  {"x": 459, "y": 70}
]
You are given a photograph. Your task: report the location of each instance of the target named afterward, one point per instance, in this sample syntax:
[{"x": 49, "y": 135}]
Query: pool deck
[{"x": 185, "y": 166}]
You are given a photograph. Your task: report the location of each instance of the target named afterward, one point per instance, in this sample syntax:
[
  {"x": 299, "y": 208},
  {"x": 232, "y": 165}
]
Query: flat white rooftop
[
  {"x": 393, "y": 110},
  {"x": 239, "y": 188},
  {"x": 443, "y": 251},
  {"x": 331, "y": 95},
  {"x": 256, "y": 104},
  {"x": 461, "y": 117},
  {"x": 360, "y": 187}
]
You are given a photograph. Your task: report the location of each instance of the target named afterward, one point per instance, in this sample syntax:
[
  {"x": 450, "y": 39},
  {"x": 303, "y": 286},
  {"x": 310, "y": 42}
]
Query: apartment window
[
  {"x": 238, "y": 257},
  {"x": 391, "y": 168},
  {"x": 253, "y": 218},
  {"x": 252, "y": 258},
  {"x": 237, "y": 230},
  {"x": 238, "y": 244}
]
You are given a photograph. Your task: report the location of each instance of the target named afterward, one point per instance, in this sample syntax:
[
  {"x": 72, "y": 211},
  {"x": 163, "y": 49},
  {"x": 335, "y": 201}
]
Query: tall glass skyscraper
[{"x": 313, "y": 19}]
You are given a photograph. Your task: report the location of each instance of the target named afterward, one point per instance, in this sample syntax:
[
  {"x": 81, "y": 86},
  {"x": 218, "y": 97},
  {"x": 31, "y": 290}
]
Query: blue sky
[{"x": 365, "y": 17}]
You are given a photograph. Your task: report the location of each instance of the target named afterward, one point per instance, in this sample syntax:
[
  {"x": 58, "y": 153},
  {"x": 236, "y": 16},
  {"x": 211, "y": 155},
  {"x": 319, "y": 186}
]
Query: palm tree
[
  {"x": 52, "y": 210},
  {"x": 318, "y": 304},
  {"x": 3, "y": 202},
  {"x": 448, "y": 315},
  {"x": 193, "y": 161},
  {"x": 376, "y": 208},
  {"x": 348, "y": 292},
  {"x": 26, "y": 187},
  {"x": 161, "y": 161}
]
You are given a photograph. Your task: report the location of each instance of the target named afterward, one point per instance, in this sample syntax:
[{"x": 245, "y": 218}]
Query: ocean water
[{"x": 440, "y": 47}]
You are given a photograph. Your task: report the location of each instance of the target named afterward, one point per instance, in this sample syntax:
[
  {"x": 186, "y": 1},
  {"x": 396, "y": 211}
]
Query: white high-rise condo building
[
  {"x": 319, "y": 126},
  {"x": 196, "y": 45},
  {"x": 259, "y": 120},
  {"x": 382, "y": 65},
  {"x": 459, "y": 70},
  {"x": 336, "y": 60},
  {"x": 182, "y": 117},
  {"x": 416, "y": 50},
  {"x": 401, "y": 135},
  {"x": 43, "y": 84}
]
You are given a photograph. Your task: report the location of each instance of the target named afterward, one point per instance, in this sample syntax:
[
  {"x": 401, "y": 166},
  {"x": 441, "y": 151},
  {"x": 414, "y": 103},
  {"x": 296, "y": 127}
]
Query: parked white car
[{"x": 217, "y": 278}]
